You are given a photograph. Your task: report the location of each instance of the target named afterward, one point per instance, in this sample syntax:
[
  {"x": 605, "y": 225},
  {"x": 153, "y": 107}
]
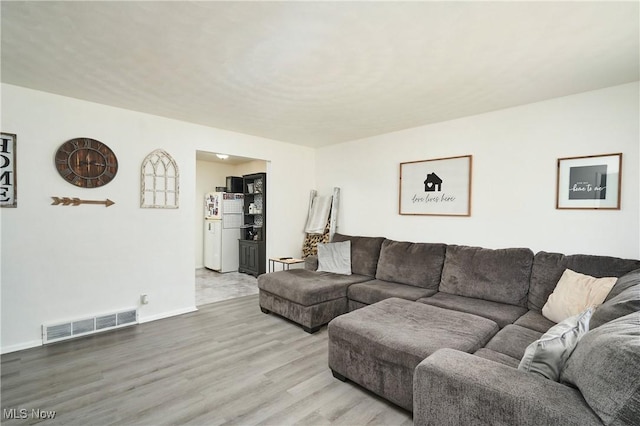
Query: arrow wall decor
[{"x": 67, "y": 201}]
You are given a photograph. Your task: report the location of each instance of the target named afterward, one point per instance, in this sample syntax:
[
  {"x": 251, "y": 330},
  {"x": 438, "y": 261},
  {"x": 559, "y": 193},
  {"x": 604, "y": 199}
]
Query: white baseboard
[
  {"x": 150, "y": 318},
  {"x": 20, "y": 346}
]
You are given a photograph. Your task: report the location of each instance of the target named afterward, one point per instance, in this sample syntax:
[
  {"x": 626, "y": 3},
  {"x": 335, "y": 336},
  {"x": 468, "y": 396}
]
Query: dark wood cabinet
[
  {"x": 253, "y": 242},
  {"x": 252, "y": 257}
]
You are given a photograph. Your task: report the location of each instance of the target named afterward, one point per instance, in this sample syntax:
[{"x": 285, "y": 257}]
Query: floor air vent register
[{"x": 83, "y": 327}]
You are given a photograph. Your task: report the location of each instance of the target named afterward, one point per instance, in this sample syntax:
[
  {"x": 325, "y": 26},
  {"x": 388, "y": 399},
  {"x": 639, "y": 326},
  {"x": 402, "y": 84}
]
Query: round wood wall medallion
[{"x": 86, "y": 163}]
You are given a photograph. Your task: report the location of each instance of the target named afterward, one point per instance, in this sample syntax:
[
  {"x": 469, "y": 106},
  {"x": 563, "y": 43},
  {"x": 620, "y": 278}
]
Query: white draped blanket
[{"x": 318, "y": 215}]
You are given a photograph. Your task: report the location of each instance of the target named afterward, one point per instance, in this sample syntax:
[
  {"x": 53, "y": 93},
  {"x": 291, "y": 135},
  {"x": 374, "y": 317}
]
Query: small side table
[{"x": 285, "y": 261}]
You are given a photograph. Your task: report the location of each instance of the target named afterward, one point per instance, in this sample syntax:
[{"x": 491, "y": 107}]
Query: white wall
[
  {"x": 61, "y": 263},
  {"x": 514, "y": 176},
  {"x": 255, "y": 166}
]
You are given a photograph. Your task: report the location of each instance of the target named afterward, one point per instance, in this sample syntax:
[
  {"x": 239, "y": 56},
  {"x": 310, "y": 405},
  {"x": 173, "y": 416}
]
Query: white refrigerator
[{"x": 223, "y": 218}]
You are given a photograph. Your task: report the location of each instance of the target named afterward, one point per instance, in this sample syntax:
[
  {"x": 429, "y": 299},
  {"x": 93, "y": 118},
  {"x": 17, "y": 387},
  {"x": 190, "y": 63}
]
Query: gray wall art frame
[
  {"x": 438, "y": 187},
  {"x": 592, "y": 182},
  {"x": 8, "y": 185},
  {"x": 159, "y": 181}
]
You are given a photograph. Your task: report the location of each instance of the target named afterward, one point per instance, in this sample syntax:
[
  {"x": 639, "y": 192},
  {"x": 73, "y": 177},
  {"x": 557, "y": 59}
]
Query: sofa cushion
[
  {"x": 513, "y": 340},
  {"x": 574, "y": 293},
  {"x": 535, "y": 321},
  {"x": 502, "y": 313},
  {"x": 416, "y": 264},
  {"x": 374, "y": 291},
  {"x": 497, "y": 357},
  {"x": 311, "y": 262},
  {"x": 605, "y": 367},
  {"x": 365, "y": 252},
  {"x": 308, "y": 287},
  {"x": 335, "y": 257},
  {"x": 547, "y": 355},
  {"x": 497, "y": 275},
  {"x": 625, "y": 282},
  {"x": 549, "y": 267},
  {"x": 626, "y": 300}
]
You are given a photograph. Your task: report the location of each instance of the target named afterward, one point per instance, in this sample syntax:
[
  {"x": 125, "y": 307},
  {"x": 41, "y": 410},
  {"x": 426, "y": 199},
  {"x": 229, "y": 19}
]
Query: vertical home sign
[{"x": 8, "y": 194}]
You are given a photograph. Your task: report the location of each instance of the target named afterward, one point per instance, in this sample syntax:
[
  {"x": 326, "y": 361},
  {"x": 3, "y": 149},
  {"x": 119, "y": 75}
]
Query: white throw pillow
[
  {"x": 547, "y": 355},
  {"x": 335, "y": 257},
  {"x": 574, "y": 293}
]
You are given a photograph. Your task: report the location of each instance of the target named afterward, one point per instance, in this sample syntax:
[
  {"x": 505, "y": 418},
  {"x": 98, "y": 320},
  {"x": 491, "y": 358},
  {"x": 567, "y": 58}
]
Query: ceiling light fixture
[{"x": 222, "y": 156}]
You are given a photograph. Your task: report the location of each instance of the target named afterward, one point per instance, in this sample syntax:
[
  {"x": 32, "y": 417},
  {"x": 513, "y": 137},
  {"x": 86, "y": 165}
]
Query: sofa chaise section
[
  {"x": 312, "y": 298},
  {"x": 308, "y": 298}
]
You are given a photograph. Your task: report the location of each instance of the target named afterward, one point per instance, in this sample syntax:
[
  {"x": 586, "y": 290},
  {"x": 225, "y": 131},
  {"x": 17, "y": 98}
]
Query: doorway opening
[{"x": 212, "y": 169}]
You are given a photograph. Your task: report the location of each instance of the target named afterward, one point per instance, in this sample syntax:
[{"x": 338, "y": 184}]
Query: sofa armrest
[
  {"x": 311, "y": 263},
  {"x": 456, "y": 388}
]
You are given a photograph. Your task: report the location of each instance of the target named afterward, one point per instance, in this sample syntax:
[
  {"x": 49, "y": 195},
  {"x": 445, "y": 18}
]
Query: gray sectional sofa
[{"x": 440, "y": 330}]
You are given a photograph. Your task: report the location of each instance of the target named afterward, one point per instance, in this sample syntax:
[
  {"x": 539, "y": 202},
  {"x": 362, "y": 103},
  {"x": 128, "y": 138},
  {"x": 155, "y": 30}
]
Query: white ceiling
[{"x": 318, "y": 73}]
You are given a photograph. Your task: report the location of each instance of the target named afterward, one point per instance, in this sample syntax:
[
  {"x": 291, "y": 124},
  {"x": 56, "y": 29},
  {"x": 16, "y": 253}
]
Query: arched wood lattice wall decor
[{"x": 159, "y": 181}]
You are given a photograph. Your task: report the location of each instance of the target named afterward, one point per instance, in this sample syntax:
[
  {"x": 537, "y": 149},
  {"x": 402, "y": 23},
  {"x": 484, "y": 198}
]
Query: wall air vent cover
[
  {"x": 127, "y": 317},
  {"x": 83, "y": 326},
  {"x": 57, "y": 332},
  {"x": 106, "y": 321},
  {"x": 86, "y": 326}
]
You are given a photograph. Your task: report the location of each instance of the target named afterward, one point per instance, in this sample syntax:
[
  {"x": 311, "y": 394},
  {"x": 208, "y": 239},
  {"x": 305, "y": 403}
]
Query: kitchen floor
[{"x": 213, "y": 286}]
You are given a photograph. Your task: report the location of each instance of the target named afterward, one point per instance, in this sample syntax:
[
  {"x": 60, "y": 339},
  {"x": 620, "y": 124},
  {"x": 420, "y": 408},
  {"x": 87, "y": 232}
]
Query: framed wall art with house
[
  {"x": 438, "y": 187},
  {"x": 589, "y": 182}
]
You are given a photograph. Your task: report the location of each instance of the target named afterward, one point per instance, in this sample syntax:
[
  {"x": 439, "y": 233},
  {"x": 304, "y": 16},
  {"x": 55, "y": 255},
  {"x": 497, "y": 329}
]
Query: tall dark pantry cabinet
[{"x": 253, "y": 235}]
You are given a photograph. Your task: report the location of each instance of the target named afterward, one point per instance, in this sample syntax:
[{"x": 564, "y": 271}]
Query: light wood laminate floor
[{"x": 227, "y": 363}]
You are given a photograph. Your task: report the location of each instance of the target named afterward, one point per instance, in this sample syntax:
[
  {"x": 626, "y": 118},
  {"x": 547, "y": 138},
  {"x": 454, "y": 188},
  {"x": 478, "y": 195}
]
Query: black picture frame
[{"x": 592, "y": 182}]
